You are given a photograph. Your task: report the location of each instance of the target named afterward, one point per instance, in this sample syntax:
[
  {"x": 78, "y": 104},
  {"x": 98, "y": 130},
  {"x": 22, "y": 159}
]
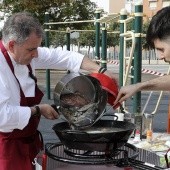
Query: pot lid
[{"x": 110, "y": 86}]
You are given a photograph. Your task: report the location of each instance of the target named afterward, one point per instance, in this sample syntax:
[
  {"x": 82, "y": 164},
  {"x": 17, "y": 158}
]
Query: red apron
[{"x": 19, "y": 148}]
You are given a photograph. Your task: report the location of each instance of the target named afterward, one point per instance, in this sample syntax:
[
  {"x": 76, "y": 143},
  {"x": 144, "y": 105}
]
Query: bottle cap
[
  {"x": 137, "y": 136},
  {"x": 137, "y": 131},
  {"x": 149, "y": 133}
]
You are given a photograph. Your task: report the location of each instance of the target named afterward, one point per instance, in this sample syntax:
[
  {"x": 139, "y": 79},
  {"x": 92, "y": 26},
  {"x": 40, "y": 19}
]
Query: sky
[{"x": 102, "y": 4}]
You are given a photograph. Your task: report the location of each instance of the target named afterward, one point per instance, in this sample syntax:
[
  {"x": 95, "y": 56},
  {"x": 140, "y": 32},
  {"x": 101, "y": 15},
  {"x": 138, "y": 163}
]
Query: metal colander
[{"x": 80, "y": 98}]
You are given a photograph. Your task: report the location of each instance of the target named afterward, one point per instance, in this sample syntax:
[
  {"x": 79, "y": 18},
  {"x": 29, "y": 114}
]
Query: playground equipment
[
  {"x": 126, "y": 62},
  {"x": 125, "y": 35},
  {"x": 135, "y": 57},
  {"x": 98, "y": 21}
]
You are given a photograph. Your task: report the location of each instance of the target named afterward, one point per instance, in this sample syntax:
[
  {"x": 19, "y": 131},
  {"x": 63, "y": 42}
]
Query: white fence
[{"x": 114, "y": 55}]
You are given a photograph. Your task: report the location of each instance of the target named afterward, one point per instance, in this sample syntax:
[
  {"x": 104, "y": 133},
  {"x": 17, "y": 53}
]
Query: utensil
[
  {"x": 92, "y": 119},
  {"x": 147, "y": 122},
  {"x": 98, "y": 89},
  {"x": 147, "y": 101},
  {"x": 104, "y": 135},
  {"x": 90, "y": 88}
]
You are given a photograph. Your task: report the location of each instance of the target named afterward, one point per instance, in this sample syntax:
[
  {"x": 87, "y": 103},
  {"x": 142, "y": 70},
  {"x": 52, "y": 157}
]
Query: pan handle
[{"x": 116, "y": 117}]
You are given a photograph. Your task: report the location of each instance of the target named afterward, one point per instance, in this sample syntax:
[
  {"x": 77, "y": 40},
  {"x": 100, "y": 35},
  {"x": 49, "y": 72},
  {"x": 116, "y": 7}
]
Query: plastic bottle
[
  {"x": 137, "y": 136},
  {"x": 149, "y": 136},
  {"x": 150, "y": 131}
]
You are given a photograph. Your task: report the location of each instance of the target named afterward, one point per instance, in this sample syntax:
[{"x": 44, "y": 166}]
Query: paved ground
[{"x": 160, "y": 118}]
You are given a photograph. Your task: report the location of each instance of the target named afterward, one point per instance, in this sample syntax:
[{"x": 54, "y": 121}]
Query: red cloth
[
  {"x": 19, "y": 147},
  {"x": 109, "y": 85}
]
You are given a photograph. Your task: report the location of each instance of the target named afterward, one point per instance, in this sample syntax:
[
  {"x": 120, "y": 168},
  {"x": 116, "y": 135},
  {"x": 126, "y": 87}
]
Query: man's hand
[
  {"x": 47, "y": 111},
  {"x": 126, "y": 92}
]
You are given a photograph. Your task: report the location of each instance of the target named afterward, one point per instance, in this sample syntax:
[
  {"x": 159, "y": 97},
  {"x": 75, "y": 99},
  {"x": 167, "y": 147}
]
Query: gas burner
[
  {"x": 104, "y": 157},
  {"x": 119, "y": 157},
  {"x": 92, "y": 157},
  {"x": 87, "y": 154}
]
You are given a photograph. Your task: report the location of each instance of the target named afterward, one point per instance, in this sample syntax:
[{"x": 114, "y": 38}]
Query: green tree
[
  {"x": 58, "y": 39},
  {"x": 87, "y": 39},
  {"x": 145, "y": 27},
  {"x": 59, "y": 10},
  {"x": 145, "y": 46},
  {"x": 112, "y": 36}
]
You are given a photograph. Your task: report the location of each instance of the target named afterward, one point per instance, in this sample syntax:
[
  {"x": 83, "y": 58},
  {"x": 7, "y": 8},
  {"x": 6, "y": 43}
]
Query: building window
[
  {"x": 152, "y": 5},
  {"x": 165, "y": 3}
]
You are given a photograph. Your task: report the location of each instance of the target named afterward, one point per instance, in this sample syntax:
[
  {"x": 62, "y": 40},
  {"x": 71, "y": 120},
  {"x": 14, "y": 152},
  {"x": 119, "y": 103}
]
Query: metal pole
[
  {"x": 104, "y": 46},
  {"x": 68, "y": 43},
  {"x": 47, "y": 45},
  {"x": 138, "y": 54},
  {"x": 97, "y": 34},
  {"x": 132, "y": 71},
  {"x": 123, "y": 16},
  {"x": 68, "y": 38}
]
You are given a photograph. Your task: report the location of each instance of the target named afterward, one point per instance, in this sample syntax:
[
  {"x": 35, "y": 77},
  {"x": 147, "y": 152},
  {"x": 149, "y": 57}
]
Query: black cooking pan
[{"x": 105, "y": 135}]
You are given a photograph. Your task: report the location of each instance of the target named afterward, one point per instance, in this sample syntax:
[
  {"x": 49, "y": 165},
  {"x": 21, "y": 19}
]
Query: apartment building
[
  {"x": 115, "y": 6},
  {"x": 150, "y": 7}
]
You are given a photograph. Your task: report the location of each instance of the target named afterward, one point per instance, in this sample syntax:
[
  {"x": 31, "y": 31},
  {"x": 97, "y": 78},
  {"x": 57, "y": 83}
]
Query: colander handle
[{"x": 56, "y": 108}]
